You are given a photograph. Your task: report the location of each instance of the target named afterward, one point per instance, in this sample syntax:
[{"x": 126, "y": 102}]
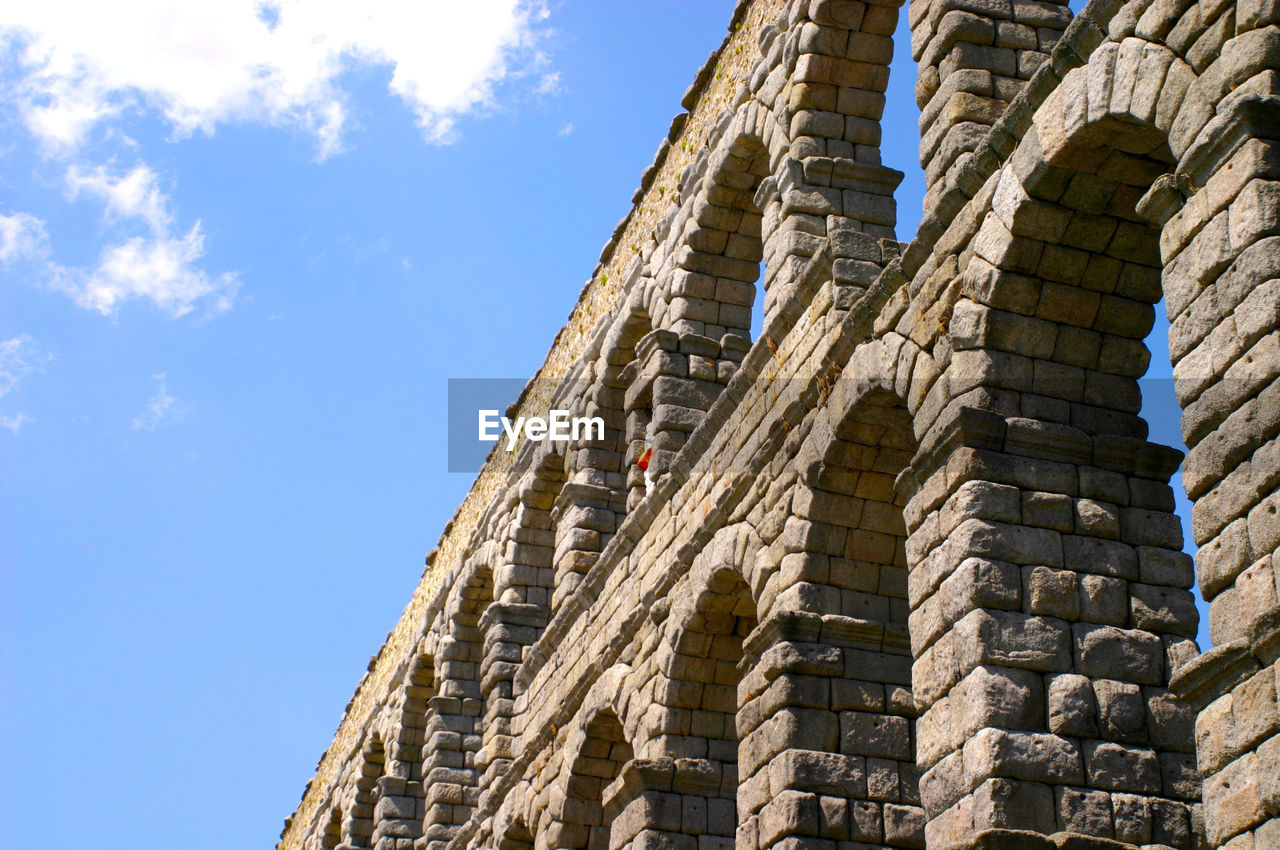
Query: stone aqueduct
[{"x": 909, "y": 575}]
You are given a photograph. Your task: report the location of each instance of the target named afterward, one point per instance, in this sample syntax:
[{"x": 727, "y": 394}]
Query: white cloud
[
  {"x": 549, "y": 83},
  {"x": 135, "y": 195},
  {"x": 204, "y": 62},
  {"x": 20, "y": 356},
  {"x": 566, "y": 129},
  {"x": 22, "y": 237},
  {"x": 13, "y": 424},
  {"x": 160, "y": 408},
  {"x": 160, "y": 266}
]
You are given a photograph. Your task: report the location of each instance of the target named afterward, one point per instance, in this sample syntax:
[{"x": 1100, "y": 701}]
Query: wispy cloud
[
  {"x": 161, "y": 408},
  {"x": 73, "y": 72},
  {"x": 549, "y": 83},
  {"x": 20, "y": 357},
  {"x": 150, "y": 258},
  {"x": 566, "y": 129},
  {"x": 160, "y": 264},
  {"x": 13, "y": 424},
  {"x": 22, "y": 237},
  {"x": 200, "y": 63},
  {"x": 133, "y": 195}
]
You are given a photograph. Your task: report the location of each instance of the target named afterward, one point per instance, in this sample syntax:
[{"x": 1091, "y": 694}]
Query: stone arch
[
  {"x": 1076, "y": 198},
  {"x": 595, "y": 754},
  {"x": 523, "y": 579},
  {"x": 594, "y": 750},
  {"x": 827, "y": 707},
  {"x": 361, "y": 820},
  {"x": 852, "y": 487},
  {"x": 594, "y": 499},
  {"x": 606, "y": 697},
  {"x": 332, "y": 835},
  {"x": 638, "y": 406},
  {"x": 1118, "y": 101},
  {"x": 1053, "y": 515},
  {"x": 514, "y": 621},
  {"x": 470, "y": 601},
  {"x": 1214, "y": 211},
  {"x": 528, "y": 577},
  {"x": 712, "y": 285},
  {"x": 475, "y": 593},
  {"x": 401, "y": 807},
  {"x": 695, "y": 699},
  {"x": 515, "y": 823},
  {"x": 682, "y": 704},
  {"x": 454, "y": 725},
  {"x": 1060, "y": 295},
  {"x": 408, "y": 734}
]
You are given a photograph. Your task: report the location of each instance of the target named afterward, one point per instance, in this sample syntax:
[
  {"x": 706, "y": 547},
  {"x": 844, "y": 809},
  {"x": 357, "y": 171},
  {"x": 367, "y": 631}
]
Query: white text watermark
[{"x": 558, "y": 427}]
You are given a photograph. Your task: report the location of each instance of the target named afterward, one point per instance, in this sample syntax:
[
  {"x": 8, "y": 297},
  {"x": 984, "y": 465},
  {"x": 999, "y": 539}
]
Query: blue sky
[{"x": 243, "y": 248}]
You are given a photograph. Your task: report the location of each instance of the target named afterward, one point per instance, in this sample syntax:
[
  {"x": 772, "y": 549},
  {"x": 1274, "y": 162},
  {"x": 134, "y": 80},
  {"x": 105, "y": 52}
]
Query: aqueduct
[{"x": 908, "y": 574}]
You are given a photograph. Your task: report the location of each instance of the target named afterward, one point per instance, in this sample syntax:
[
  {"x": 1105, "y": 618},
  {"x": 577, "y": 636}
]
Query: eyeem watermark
[
  {"x": 478, "y": 426},
  {"x": 559, "y": 426}
]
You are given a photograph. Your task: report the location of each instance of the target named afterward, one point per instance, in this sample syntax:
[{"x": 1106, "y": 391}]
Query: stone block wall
[{"x": 906, "y": 571}]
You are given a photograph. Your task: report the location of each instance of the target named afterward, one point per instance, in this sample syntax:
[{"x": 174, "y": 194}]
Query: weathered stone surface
[{"x": 905, "y": 571}]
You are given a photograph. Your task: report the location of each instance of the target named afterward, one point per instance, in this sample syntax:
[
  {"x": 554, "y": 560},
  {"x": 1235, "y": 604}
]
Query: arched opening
[
  {"x": 368, "y": 791},
  {"x": 454, "y": 723},
  {"x": 599, "y": 759},
  {"x": 420, "y": 687},
  {"x": 688, "y": 734},
  {"x": 1119, "y": 331},
  {"x": 642, "y": 456},
  {"x": 530, "y": 577},
  {"x": 854, "y": 489},
  {"x": 1048, "y": 338},
  {"x": 721, "y": 251},
  {"x": 399, "y": 807},
  {"x": 1218, "y": 250},
  {"x": 520, "y": 602},
  {"x": 899, "y": 112},
  {"x": 701, "y": 316},
  {"x": 332, "y": 835},
  {"x": 833, "y": 750},
  {"x": 592, "y": 501},
  {"x": 703, "y": 664},
  {"x": 757, "y": 308},
  {"x": 873, "y": 445}
]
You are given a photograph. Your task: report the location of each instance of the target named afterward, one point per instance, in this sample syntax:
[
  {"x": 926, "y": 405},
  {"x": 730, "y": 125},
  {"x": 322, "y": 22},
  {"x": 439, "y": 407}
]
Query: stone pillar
[
  {"x": 711, "y": 271},
  {"x": 827, "y": 728},
  {"x": 1049, "y": 611},
  {"x": 453, "y": 738},
  {"x": 401, "y": 807},
  {"x": 527, "y": 576},
  {"x": 682, "y": 804},
  {"x": 1222, "y": 290},
  {"x": 508, "y": 628},
  {"x": 818, "y": 89},
  {"x": 671, "y": 384},
  {"x": 398, "y": 814},
  {"x": 974, "y": 58},
  {"x": 586, "y": 517},
  {"x": 592, "y": 502}
]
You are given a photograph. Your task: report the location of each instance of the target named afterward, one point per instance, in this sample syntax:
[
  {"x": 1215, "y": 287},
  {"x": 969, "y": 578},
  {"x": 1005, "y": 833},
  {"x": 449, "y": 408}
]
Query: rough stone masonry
[{"x": 909, "y": 574}]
